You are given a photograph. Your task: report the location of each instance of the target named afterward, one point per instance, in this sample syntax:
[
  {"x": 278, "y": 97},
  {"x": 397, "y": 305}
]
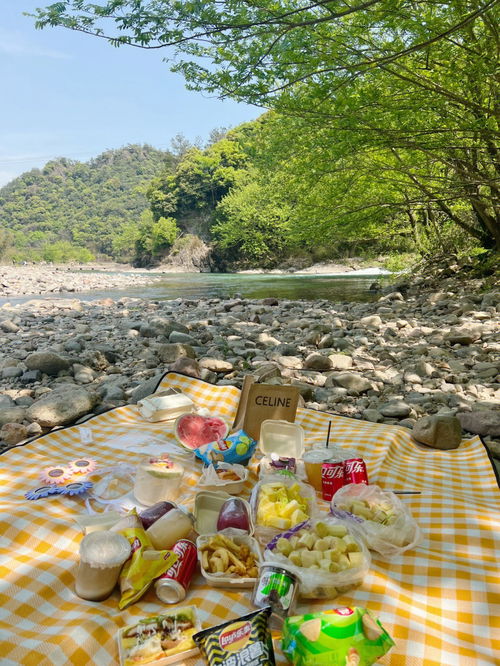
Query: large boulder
[
  {"x": 62, "y": 406},
  {"x": 484, "y": 422},
  {"x": 439, "y": 431},
  {"x": 46, "y": 361}
]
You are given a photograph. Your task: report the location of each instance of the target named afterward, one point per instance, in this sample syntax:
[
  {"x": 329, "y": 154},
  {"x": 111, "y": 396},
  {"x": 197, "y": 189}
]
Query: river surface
[{"x": 253, "y": 286}]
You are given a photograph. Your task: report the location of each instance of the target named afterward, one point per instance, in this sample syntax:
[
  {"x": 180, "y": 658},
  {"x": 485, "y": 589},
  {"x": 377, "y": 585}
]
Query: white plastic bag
[
  {"x": 317, "y": 583},
  {"x": 397, "y": 533},
  {"x": 264, "y": 533}
]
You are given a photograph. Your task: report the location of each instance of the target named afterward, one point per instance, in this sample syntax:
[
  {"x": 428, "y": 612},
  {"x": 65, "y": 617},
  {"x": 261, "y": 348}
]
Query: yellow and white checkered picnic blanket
[{"x": 440, "y": 602}]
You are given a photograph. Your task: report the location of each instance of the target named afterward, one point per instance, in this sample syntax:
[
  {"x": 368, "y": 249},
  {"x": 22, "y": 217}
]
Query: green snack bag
[{"x": 338, "y": 637}]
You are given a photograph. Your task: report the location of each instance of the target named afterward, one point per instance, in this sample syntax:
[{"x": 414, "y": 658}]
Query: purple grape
[
  {"x": 233, "y": 514},
  {"x": 152, "y": 513}
]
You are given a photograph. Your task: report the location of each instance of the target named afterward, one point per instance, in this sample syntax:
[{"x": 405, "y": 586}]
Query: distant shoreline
[{"x": 43, "y": 279}]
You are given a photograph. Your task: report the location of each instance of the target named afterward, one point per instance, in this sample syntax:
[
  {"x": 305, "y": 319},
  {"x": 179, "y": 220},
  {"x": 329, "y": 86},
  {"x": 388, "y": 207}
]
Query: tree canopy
[{"x": 397, "y": 93}]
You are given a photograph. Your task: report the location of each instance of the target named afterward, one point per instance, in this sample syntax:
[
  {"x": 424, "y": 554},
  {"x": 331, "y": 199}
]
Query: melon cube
[
  {"x": 351, "y": 545},
  {"x": 337, "y": 530},
  {"x": 355, "y": 559}
]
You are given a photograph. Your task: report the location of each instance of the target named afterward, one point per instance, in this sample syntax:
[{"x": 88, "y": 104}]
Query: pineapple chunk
[
  {"x": 278, "y": 523},
  {"x": 289, "y": 509},
  {"x": 298, "y": 516}
]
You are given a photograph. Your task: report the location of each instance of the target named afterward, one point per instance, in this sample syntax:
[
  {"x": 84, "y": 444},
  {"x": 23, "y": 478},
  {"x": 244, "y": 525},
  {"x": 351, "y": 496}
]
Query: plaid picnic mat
[{"x": 440, "y": 602}]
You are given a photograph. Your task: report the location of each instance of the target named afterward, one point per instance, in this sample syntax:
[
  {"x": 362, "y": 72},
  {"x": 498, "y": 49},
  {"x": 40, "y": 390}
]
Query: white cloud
[{"x": 16, "y": 44}]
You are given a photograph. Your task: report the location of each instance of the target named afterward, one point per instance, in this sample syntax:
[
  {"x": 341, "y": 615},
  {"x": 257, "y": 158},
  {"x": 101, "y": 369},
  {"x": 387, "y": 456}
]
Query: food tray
[{"x": 235, "y": 582}]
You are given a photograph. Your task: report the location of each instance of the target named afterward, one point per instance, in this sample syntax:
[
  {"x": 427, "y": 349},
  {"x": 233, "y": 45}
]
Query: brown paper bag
[{"x": 267, "y": 401}]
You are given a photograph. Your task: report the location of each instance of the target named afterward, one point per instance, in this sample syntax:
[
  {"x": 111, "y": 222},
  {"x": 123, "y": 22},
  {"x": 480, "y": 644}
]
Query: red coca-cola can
[
  {"x": 173, "y": 585},
  {"x": 355, "y": 471},
  {"x": 332, "y": 478}
]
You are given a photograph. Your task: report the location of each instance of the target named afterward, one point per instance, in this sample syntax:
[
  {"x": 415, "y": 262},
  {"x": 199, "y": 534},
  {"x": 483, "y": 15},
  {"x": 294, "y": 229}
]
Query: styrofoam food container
[
  {"x": 219, "y": 580},
  {"x": 231, "y": 487},
  {"x": 165, "y": 407},
  {"x": 174, "y": 658},
  {"x": 282, "y": 438},
  {"x": 207, "y": 506}
]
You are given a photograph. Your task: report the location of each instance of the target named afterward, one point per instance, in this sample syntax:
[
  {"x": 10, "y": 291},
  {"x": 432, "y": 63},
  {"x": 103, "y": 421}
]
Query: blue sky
[{"x": 72, "y": 95}]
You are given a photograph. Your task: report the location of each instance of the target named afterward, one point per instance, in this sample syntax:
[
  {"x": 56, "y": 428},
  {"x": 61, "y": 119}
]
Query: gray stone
[
  {"x": 31, "y": 376},
  {"x": 372, "y": 321},
  {"x": 73, "y": 346},
  {"x": 317, "y": 362},
  {"x": 372, "y": 415},
  {"x": 184, "y": 338},
  {"x": 9, "y": 326},
  {"x": 156, "y": 327},
  {"x": 47, "y": 362},
  {"x": 265, "y": 372},
  {"x": 396, "y": 409},
  {"x": 216, "y": 365},
  {"x": 340, "y": 361},
  {"x": 83, "y": 374},
  {"x": 293, "y": 362},
  {"x": 95, "y": 359},
  {"x": 186, "y": 366},
  {"x": 439, "y": 431},
  {"x": 482, "y": 422},
  {"x": 11, "y": 415},
  {"x": 62, "y": 406},
  {"x": 270, "y": 301},
  {"x": 146, "y": 388},
  {"x": 348, "y": 380},
  {"x": 464, "y": 335},
  {"x": 34, "y": 429},
  {"x": 10, "y": 373},
  {"x": 170, "y": 352},
  {"x": 13, "y": 433}
]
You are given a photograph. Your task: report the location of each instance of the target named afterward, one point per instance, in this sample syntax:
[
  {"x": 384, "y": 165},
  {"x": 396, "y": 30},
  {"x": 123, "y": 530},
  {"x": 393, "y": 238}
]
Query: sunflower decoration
[
  {"x": 43, "y": 491},
  {"x": 76, "y": 488},
  {"x": 82, "y": 466},
  {"x": 56, "y": 476}
]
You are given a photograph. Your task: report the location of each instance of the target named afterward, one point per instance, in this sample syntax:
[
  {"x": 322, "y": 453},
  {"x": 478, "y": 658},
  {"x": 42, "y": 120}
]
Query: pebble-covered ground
[
  {"x": 45, "y": 279},
  {"x": 420, "y": 350}
]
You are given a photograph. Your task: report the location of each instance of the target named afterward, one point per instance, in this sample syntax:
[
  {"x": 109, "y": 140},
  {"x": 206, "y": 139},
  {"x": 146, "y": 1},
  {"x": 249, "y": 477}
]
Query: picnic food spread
[{"x": 273, "y": 544}]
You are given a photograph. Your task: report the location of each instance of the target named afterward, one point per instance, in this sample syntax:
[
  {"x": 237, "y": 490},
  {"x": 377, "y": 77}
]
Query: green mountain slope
[{"x": 81, "y": 204}]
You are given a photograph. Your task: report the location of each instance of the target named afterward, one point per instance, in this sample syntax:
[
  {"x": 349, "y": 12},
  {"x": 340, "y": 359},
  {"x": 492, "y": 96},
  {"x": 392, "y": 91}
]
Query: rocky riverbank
[
  {"x": 45, "y": 279},
  {"x": 420, "y": 350}
]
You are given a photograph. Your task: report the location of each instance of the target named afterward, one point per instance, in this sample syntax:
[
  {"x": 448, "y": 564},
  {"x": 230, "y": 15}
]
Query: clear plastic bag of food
[
  {"x": 328, "y": 555},
  {"x": 386, "y": 523},
  {"x": 279, "y": 502}
]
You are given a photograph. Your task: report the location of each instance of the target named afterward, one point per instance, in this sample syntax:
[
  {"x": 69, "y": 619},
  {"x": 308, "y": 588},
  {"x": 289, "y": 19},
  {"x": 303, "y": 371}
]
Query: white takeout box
[
  {"x": 207, "y": 506},
  {"x": 282, "y": 438},
  {"x": 218, "y": 484},
  {"x": 165, "y": 407}
]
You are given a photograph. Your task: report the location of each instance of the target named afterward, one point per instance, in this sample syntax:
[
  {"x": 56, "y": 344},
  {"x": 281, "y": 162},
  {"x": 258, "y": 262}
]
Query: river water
[{"x": 254, "y": 286}]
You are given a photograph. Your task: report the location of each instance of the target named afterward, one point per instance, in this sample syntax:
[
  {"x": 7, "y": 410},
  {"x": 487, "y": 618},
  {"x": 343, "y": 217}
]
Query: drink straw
[
  {"x": 407, "y": 492},
  {"x": 328, "y": 434}
]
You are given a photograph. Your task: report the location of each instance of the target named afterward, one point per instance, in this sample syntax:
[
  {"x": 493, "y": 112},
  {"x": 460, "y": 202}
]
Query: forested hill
[{"x": 77, "y": 208}]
